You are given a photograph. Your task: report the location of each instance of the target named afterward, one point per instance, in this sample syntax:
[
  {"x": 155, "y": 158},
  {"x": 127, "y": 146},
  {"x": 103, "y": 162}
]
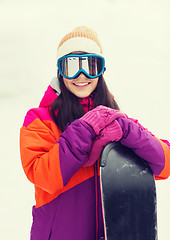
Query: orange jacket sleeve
[{"x": 40, "y": 154}]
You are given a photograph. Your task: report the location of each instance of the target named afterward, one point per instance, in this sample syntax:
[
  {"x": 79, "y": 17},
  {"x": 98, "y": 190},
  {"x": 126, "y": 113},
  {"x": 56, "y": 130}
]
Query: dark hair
[{"x": 67, "y": 107}]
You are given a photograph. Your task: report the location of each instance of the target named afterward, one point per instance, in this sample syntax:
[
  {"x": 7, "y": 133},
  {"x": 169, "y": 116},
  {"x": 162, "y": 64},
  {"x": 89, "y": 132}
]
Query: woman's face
[{"x": 81, "y": 86}]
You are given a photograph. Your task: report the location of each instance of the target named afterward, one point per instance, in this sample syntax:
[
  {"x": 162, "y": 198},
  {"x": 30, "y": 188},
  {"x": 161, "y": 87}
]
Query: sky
[{"x": 135, "y": 37}]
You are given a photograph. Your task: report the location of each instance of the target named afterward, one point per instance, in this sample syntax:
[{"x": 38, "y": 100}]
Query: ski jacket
[{"x": 68, "y": 198}]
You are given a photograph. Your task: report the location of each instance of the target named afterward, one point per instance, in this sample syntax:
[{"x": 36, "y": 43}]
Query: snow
[{"x": 135, "y": 37}]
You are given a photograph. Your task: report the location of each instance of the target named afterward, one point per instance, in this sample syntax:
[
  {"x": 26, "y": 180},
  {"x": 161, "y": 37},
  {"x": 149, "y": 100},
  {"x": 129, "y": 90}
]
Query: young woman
[{"x": 62, "y": 139}]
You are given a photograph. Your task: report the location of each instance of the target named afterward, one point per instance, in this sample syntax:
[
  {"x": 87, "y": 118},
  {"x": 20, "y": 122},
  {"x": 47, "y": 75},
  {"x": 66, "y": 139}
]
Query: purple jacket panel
[
  {"x": 74, "y": 145},
  {"x": 70, "y": 216},
  {"x": 143, "y": 144}
]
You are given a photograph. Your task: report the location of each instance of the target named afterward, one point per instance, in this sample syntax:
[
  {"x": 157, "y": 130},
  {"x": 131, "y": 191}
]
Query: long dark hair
[{"x": 67, "y": 107}]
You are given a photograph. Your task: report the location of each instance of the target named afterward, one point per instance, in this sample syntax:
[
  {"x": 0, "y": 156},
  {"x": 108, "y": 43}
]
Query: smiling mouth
[{"x": 81, "y": 84}]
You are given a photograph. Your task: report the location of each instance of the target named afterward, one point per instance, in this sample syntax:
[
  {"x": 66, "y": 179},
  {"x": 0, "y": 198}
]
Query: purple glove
[
  {"x": 112, "y": 132},
  {"x": 100, "y": 117}
]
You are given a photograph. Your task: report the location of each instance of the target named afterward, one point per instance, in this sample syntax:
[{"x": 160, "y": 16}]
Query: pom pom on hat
[{"x": 81, "y": 39}]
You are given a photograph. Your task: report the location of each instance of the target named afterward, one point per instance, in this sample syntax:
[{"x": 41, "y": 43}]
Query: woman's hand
[
  {"x": 112, "y": 132},
  {"x": 100, "y": 117}
]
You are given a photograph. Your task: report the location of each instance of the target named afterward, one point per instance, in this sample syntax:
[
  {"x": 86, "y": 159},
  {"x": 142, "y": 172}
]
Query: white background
[{"x": 135, "y": 36}]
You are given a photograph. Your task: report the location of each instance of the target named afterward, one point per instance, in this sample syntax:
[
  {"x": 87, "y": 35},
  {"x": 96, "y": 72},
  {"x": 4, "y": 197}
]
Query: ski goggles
[{"x": 70, "y": 66}]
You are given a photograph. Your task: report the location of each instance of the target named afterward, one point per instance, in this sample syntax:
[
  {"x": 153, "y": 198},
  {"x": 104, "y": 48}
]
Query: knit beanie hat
[{"x": 80, "y": 39}]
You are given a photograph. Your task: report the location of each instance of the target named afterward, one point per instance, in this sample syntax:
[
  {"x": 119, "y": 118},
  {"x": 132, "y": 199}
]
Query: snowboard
[{"x": 128, "y": 195}]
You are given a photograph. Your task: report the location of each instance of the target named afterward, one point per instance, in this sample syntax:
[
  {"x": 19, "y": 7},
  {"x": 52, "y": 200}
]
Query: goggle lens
[{"x": 71, "y": 66}]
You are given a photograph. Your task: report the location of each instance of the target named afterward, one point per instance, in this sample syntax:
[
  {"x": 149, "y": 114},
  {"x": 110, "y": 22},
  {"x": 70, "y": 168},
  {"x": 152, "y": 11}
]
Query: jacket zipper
[
  {"x": 96, "y": 192},
  {"x": 96, "y": 187}
]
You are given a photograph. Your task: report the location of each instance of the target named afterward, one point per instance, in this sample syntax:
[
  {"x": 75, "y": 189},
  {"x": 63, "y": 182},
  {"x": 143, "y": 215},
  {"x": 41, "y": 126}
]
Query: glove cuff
[
  {"x": 113, "y": 132},
  {"x": 92, "y": 120}
]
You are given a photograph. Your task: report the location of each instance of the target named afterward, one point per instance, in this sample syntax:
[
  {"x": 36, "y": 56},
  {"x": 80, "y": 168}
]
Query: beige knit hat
[{"x": 80, "y": 39}]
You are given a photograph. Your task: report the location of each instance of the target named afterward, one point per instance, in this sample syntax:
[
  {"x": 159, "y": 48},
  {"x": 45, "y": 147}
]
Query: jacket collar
[
  {"x": 51, "y": 94},
  {"x": 87, "y": 103}
]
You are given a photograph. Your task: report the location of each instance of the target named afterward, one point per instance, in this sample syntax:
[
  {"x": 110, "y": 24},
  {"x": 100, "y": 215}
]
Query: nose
[{"x": 81, "y": 76}]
